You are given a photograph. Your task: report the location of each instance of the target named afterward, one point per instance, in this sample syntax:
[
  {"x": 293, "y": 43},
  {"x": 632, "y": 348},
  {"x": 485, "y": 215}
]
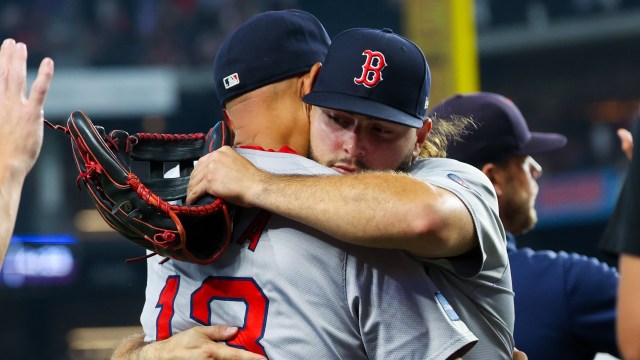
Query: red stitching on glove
[
  {"x": 92, "y": 168},
  {"x": 171, "y": 137}
]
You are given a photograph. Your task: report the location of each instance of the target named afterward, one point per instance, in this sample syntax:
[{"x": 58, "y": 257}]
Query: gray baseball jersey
[
  {"x": 295, "y": 293},
  {"x": 478, "y": 284}
]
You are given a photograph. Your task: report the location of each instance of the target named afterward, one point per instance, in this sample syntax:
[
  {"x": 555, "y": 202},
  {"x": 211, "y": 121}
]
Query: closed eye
[
  {"x": 339, "y": 120},
  {"x": 382, "y": 130}
]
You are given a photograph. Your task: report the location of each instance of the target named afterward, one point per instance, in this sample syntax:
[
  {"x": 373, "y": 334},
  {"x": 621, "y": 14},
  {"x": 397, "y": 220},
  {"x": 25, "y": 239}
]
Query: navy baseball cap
[
  {"x": 267, "y": 48},
  {"x": 375, "y": 73},
  {"x": 501, "y": 130}
]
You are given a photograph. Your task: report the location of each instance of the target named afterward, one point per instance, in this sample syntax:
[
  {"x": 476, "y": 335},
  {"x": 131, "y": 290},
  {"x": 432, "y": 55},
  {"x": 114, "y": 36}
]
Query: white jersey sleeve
[
  {"x": 416, "y": 322},
  {"x": 295, "y": 293},
  {"x": 477, "y": 284}
]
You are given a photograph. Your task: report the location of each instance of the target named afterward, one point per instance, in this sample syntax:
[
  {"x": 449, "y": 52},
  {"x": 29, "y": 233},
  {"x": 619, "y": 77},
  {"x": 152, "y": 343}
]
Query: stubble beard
[
  {"x": 403, "y": 166},
  {"x": 519, "y": 217}
]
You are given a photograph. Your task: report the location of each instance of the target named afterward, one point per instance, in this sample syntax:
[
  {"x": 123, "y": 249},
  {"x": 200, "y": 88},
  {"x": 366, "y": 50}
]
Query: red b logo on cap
[{"x": 372, "y": 69}]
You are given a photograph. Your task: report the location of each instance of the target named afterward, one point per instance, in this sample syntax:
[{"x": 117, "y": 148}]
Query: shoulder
[
  {"x": 572, "y": 266},
  {"x": 462, "y": 179},
  {"x": 284, "y": 163},
  {"x": 559, "y": 257},
  {"x": 435, "y": 164},
  {"x": 451, "y": 170}
]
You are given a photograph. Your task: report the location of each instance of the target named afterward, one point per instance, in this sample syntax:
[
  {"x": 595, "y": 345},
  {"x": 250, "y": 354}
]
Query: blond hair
[{"x": 442, "y": 132}]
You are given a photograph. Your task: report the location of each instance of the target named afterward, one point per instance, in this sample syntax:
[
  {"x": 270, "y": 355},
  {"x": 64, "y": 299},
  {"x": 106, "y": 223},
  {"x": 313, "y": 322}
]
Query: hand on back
[{"x": 199, "y": 343}]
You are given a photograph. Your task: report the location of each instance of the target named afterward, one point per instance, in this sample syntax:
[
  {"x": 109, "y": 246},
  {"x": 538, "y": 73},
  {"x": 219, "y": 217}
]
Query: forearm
[
  {"x": 376, "y": 209},
  {"x": 133, "y": 348},
  {"x": 628, "y": 321},
  {"x": 11, "y": 182}
]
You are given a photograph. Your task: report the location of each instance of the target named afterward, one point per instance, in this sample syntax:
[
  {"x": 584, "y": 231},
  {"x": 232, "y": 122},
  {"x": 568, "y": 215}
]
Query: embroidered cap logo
[
  {"x": 372, "y": 69},
  {"x": 231, "y": 80}
]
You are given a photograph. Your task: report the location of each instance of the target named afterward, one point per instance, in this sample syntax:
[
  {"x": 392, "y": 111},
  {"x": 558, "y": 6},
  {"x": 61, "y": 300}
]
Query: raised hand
[{"x": 21, "y": 117}]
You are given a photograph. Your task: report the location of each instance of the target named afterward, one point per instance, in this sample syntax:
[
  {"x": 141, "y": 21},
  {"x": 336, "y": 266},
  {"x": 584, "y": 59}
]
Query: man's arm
[
  {"x": 628, "y": 311},
  {"x": 21, "y": 128},
  {"x": 591, "y": 290},
  {"x": 376, "y": 209},
  {"x": 129, "y": 348},
  {"x": 628, "y": 321},
  {"x": 195, "y": 343}
]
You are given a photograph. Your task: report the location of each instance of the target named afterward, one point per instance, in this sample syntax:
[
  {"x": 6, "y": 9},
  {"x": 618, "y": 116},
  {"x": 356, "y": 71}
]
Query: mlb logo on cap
[
  {"x": 231, "y": 80},
  {"x": 375, "y": 73},
  {"x": 267, "y": 48}
]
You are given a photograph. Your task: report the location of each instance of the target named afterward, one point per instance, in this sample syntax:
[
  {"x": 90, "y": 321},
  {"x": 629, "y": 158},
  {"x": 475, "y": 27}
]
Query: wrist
[
  {"x": 12, "y": 172},
  {"x": 11, "y": 183},
  {"x": 150, "y": 351}
]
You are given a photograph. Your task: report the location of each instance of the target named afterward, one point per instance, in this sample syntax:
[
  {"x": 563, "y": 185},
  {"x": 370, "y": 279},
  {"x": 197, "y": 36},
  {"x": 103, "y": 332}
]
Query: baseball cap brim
[
  {"x": 354, "y": 104},
  {"x": 541, "y": 143}
]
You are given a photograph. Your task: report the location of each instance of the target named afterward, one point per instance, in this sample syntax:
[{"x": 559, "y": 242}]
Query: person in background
[
  {"x": 21, "y": 129},
  {"x": 622, "y": 238},
  {"x": 565, "y": 304}
]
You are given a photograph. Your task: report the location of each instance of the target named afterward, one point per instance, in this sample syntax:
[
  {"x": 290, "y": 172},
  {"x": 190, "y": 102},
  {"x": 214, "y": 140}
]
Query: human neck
[{"x": 270, "y": 124}]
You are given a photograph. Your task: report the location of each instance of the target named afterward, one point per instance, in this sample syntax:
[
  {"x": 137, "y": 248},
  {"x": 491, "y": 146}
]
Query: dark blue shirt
[{"x": 565, "y": 304}]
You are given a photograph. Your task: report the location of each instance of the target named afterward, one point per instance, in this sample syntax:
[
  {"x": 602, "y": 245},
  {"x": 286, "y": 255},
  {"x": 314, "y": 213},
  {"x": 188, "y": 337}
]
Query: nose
[
  {"x": 354, "y": 144},
  {"x": 535, "y": 169}
]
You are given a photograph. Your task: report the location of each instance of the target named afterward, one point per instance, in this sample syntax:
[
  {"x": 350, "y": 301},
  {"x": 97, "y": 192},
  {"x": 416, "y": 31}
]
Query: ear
[
  {"x": 422, "y": 136},
  {"x": 228, "y": 119},
  {"x": 493, "y": 173},
  {"x": 310, "y": 78},
  {"x": 306, "y": 84}
]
